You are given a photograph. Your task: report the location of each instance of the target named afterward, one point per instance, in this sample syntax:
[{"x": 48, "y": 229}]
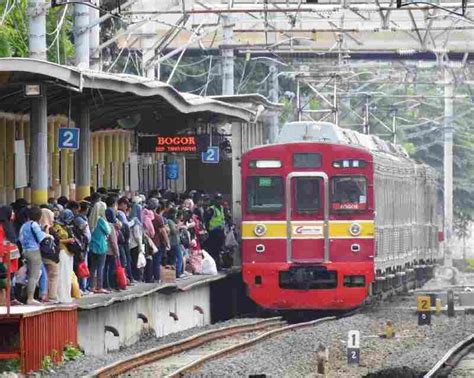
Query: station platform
[
  {"x": 99, "y": 323},
  {"x": 107, "y": 322}
]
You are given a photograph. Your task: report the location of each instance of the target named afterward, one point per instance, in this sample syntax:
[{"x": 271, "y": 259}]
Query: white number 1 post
[{"x": 353, "y": 347}]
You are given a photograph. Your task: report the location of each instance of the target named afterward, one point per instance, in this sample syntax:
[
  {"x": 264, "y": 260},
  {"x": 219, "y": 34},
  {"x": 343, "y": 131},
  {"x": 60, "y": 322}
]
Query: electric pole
[
  {"x": 94, "y": 38},
  {"x": 37, "y": 29},
  {"x": 448, "y": 155},
  {"x": 38, "y": 114},
  {"x": 227, "y": 59},
  {"x": 81, "y": 35},
  {"x": 273, "y": 97}
]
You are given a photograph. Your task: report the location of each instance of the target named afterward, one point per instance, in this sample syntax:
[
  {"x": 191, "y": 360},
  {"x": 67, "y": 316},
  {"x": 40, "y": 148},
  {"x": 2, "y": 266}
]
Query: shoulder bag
[{"x": 47, "y": 247}]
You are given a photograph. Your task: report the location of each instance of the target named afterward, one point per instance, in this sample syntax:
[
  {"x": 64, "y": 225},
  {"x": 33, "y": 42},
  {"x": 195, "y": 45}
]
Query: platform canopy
[{"x": 113, "y": 98}]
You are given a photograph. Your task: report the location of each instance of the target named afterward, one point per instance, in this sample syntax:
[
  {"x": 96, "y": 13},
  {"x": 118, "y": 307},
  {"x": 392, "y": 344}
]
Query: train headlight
[
  {"x": 260, "y": 230},
  {"x": 355, "y": 229}
]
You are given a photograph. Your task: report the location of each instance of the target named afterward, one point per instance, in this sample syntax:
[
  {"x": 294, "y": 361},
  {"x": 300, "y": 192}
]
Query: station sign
[
  {"x": 424, "y": 309},
  {"x": 172, "y": 171},
  {"x": 68, "y": 138},
  {"x": 167, "y": 143},
  {"x": 353, "y": 347},
  {"x": 211, "y": 156}
]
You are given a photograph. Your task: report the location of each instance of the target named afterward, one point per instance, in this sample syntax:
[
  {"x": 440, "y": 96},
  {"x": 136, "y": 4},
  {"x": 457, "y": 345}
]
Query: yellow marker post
[
  {"x": 389, "y": 330},
  {"x": 424, "y": 303},
  {"x": 424, "y": 310},
  {"x": 438, "y": 306}
]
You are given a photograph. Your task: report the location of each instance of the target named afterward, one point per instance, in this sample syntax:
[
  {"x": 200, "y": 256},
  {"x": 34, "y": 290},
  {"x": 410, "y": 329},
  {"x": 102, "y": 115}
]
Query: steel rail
[
  {"x": 451, "y": 359},
  {"x": 244, "y": 345},
  {"x": 163, "y": 351}
]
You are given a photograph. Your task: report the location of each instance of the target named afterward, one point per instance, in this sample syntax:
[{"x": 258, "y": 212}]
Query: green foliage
[
  {"x": 71, "y": 353},
  {"x": 5, "y": 49},
  {"x": 47, "y": 363},
  {"x": 14, "y": 30},
  {"x": 470, "y": 263},
  {"x": 409, "y": 147},
  {"x": 12, "y": 365},
  {"x": 14, "y": 33},
  {"x": 60, "y": 47},
  {"x": 287, "y": 113},
  {"x": 314, "y": 103}
]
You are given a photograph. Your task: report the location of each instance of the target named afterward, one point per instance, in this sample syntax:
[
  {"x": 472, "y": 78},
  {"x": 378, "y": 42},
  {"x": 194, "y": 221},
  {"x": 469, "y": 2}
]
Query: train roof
[{"x": 330, "y": 133}]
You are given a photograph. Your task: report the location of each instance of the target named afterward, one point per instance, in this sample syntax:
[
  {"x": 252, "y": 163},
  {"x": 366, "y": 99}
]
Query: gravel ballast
[
  {"x": 414, "y": 350},
  {"x": 86, "y": 364}
]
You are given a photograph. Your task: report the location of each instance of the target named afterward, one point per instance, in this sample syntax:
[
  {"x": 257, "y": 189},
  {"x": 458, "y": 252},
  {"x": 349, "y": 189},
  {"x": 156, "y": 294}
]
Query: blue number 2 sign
[
  {"x": 211, "y": 156},
  {"x": 68, "y": 138}
]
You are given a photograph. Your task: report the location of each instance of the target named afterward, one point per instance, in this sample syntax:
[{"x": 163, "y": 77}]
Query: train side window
[
  {"x": 265, "y": 194},
  {"x": 348, "y": 193},
  {"x": 307, "y": 194}
]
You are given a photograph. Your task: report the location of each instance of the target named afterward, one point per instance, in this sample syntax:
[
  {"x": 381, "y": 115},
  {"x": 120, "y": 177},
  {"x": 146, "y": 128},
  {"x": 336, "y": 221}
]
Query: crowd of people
[{"x": 66, "y": 249}]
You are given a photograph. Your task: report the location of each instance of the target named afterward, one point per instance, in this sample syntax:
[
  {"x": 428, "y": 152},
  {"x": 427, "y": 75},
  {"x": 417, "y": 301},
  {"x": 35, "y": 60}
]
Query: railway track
[
  {"x": 457, "y": 362},
  {"x": 176, "y": 359}
]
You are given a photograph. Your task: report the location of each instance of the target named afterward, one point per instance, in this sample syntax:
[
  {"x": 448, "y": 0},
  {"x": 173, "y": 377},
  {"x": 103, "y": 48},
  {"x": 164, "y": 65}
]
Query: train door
[{"x": 307, "y": 217}]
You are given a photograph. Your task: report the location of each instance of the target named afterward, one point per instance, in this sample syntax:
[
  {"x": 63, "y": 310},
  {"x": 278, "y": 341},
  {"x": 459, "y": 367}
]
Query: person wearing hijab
[
  {"x": 82, "y": 226},
  {"x": 98, "y": 247},
  {"x": 94, "y": 216},
  {"x": 188, "y": 204},
  {"x": 66, "y": 259},
  {"x": 148, "y": 216},
  {"x": 113, "y": 252},
  {"x": 52, "y": 267},
  {"x": 136, "y": 210}
]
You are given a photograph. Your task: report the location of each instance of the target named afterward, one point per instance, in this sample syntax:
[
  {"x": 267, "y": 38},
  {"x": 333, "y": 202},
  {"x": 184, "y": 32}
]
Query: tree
[{"x": 14, "y": 32}]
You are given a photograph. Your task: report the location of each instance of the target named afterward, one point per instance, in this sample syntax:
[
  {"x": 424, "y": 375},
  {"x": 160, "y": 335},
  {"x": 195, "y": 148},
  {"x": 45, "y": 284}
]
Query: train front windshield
[
  {"x": 349, "y": 193},
  {"x": 265, "y": 194},
  {"x": 307, "y": 194}
]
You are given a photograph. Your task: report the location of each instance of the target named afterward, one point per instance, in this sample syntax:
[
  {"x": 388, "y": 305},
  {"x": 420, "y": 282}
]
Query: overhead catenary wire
[
  {"x": 59, "y": 27},
  {"x": 134, "y": 59},
  {"x": 120, "y": 53},
  {"x": 7, "y": 10},
  {"x": 208, "y": 80},
  {"x": 126, "y": 63}
]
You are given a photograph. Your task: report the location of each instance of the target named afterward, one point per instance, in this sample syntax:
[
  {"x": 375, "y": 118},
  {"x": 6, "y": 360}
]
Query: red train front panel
[{"x": 308, "y": 225}]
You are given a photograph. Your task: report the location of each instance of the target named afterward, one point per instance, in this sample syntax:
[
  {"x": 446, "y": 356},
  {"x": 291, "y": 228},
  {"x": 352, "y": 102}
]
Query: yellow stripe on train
[{"x": 305, "y": 230}]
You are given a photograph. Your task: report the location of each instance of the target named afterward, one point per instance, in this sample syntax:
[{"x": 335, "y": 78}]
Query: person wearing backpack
[
  {"x": 126, "y": 258},
  {"x": 31, "y": 236},
  {"x": 52, "y": 267},
  {"x": 82, "y": 228}
]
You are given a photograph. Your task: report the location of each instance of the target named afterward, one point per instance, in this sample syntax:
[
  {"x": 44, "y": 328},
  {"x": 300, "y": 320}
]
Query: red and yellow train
[{"x": 329, "y": 215}]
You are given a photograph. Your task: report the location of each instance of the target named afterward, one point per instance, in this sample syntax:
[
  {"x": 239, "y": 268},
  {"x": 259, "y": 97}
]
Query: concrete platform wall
[{"x": 156, "y": 307}]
